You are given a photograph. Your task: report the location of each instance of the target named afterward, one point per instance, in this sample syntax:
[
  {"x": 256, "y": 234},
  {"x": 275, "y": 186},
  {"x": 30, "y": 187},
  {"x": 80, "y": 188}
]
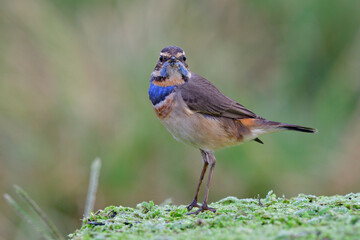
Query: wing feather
[{"x": 202, "y": 96}]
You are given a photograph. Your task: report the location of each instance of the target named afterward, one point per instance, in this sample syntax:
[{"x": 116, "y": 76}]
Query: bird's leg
[
  {"x": 204, "y": 206},
  {"x": 194, "y": 201}
]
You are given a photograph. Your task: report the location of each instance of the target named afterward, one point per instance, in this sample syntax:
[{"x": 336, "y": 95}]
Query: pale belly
[{"x": 193, "y": 128}]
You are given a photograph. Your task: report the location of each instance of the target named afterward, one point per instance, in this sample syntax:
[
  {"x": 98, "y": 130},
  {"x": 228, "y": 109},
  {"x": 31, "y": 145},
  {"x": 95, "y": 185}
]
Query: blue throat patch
[{"x": 158, "y": 93}]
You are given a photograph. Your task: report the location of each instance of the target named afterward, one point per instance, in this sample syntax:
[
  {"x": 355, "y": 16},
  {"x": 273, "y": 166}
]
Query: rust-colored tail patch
[
  {"x": 247, "y": 122},
  {"x": 250, "y": 123}
]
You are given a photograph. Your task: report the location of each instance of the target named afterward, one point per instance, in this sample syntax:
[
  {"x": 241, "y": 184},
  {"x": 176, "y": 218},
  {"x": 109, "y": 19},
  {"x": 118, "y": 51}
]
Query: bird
[{"x": 196, "y": 113}]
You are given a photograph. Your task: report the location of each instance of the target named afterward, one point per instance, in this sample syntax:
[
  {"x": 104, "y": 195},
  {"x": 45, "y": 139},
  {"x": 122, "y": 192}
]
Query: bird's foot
[
  {"x": 203, "y": 208},
  {"x": 192, "y": 205}
]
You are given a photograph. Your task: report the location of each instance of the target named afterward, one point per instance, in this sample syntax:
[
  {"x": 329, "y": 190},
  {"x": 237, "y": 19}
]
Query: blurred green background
[{"x": 74, "y": 77}]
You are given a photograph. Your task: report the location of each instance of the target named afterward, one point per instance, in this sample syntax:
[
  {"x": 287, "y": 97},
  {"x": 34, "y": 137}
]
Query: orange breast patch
[
  {"x": 164, "y": 108},
  {"x": 172, "y": 81}
]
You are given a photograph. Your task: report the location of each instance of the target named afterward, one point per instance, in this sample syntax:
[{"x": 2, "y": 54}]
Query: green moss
[{"x": 302, "y": 217}]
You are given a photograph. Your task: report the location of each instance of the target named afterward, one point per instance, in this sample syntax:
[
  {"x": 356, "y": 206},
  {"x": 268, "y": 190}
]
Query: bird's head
[{"x": 171, "y": 68}]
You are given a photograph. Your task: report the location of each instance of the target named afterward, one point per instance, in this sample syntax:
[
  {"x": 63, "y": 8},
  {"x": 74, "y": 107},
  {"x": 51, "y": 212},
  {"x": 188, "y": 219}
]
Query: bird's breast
[
  {"x": 196, "y": 129},
  {"x": 163, "y": 108}
]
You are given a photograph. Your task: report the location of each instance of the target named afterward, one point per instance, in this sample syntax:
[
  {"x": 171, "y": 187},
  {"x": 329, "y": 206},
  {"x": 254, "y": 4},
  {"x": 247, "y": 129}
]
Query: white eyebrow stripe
[
  {"x": 180, "y": 54},
  {"x": 165, "y": 54},
  {"x": 177, "y": 55}
]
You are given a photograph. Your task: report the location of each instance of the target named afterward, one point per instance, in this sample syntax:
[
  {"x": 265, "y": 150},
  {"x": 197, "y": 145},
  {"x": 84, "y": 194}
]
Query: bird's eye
[
  {"x": 184, "y": 58},
  {"x": 161, "y": 58}
]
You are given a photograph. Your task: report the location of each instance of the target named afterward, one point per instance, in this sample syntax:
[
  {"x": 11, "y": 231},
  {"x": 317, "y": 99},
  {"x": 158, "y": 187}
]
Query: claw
[
  {"x": 192, "y": 205},
  {"x": 203, "y": 208}
]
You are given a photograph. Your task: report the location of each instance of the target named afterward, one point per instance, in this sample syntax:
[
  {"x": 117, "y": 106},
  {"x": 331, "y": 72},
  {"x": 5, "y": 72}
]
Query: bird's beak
[{"x": 172, "y": 61}]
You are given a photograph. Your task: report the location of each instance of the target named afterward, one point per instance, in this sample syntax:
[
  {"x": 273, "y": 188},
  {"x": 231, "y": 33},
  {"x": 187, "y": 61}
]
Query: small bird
[{"x": 195, "y": 112}]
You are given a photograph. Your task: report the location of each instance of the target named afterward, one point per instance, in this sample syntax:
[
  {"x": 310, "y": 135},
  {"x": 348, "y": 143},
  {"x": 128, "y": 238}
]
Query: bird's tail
[
  {"x": 260, "y": 126},
  {"x": 287, "y": 126},
  {"x": 270, "y": 126}
]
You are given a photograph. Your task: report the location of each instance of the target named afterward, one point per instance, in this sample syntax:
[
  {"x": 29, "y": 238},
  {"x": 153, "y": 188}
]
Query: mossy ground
[{"x": 301, "y": 217}]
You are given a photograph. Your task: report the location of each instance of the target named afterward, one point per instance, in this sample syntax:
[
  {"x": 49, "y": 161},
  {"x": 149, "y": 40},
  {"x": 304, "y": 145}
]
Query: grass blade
[
  {"x": 93, "y": 183},
  {"x": 22, "y": 214},
  {"x": 55, "y": 234}
]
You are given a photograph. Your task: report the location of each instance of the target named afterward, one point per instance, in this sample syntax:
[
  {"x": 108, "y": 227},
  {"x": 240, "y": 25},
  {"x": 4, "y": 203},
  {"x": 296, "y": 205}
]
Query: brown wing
[{"x": 202, "y": 96}]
